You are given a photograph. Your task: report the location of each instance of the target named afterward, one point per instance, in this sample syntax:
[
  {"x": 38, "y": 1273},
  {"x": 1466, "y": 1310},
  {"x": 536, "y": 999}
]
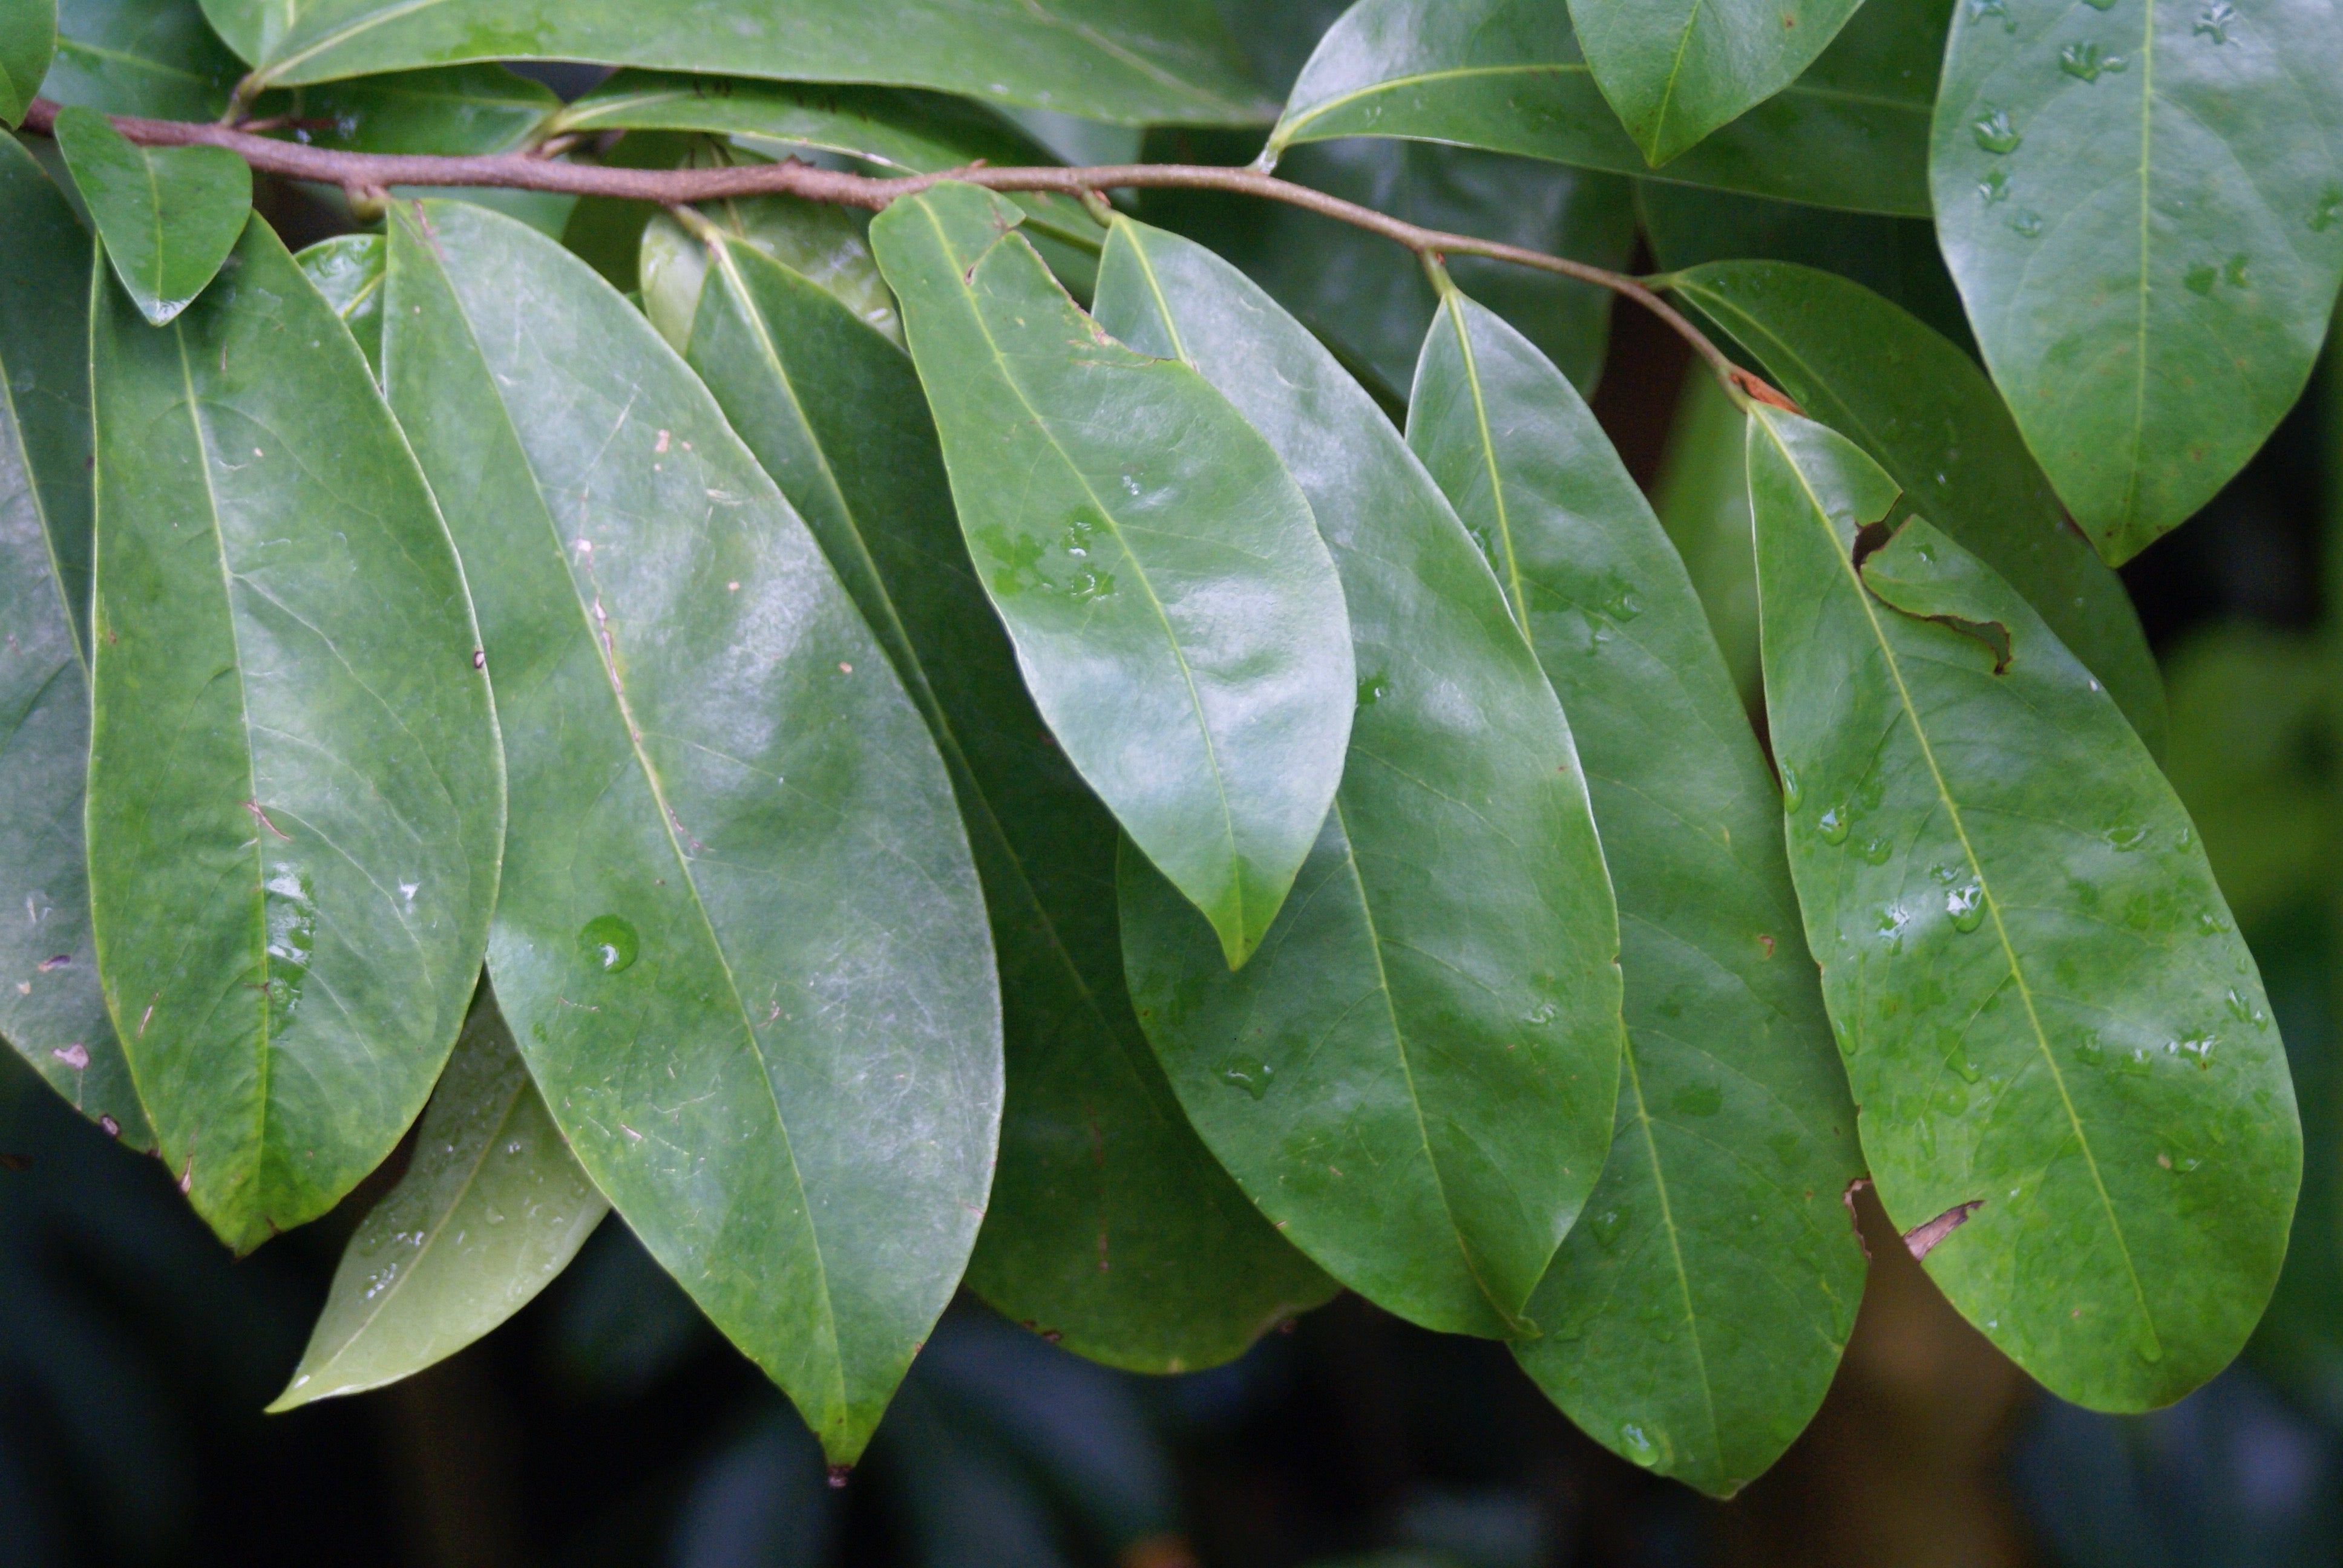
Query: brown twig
[{"x": 673, "y": 188}]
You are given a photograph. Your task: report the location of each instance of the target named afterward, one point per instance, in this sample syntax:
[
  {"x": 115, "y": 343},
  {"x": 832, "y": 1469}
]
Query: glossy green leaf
[
  {"x": 1367, "y": 298},
  {"x": 1129, "y": 62},
  {"x": 51, "y": 1008},
  {"x": 158, "y": 59},
  {"x": 1508, "y": 75},
  {"x": 2059, "y": 1045},
  {"x": 1695, "y": 1317},
  {"x": 451, "y": 111},
  {"x": 2254, "y": 716},
  {"x": 1178, "y": 619},
  {"x": 168, "y": 216},
  {"x": 28, "y": 36},
  {"x": 740, "y": 941},
  {"x": 296, "y": 789},
  {"x": 889, "y": 131},
  {"x": 1676, "y": 72},
  {"x": 1110, "y": 1228},
  {"x": 1895, "y": 257},
  {"x": 818, "y": 242},
  {"x": 1702, "y": 497},
  {"x": 491, "y": 1208},
  {"x": 1415, "y": 1075},
  {"x": 2141, "y": 205},
  {"x": 347, "y": 270},
  {"x": 1922, "y": 409}
]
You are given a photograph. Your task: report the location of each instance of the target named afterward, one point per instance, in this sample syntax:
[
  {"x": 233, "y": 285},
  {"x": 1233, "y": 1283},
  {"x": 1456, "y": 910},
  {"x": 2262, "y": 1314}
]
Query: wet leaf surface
[
  {"x": 740, "y": 942},
  {"x": 296, "y": 792},
  {"x": 1415, "y": 1076},
  {"x": 1695, "y": 1317},
  {"x": 2045, "y": 1006},
  {"x": 491, "y": 1208},
  {"x": 1177, "y": 619},
  {"x": 1109, "y": 1227}
]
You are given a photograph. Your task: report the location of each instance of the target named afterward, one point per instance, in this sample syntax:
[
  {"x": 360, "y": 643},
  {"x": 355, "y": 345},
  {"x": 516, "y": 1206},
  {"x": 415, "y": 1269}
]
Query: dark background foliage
[{"x": 607, "y": 1424}]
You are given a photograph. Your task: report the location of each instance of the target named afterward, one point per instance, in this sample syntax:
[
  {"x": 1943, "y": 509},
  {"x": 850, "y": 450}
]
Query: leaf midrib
[
  {"x": 1993, "y": 903},
  {"x": 265, "y": 1053}
]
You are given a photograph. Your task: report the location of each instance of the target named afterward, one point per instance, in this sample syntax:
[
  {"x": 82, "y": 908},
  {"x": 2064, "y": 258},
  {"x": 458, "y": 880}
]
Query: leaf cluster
[{"x": 1153, "y": 759}]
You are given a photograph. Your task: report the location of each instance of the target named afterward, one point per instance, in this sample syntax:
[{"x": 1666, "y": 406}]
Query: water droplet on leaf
[
  {"x": 609, "y": 943},
  {"x": 1834, "y": 824}
]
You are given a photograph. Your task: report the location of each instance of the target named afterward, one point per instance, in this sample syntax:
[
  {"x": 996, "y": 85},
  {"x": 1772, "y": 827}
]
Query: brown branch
[{"x": 673, "y": 188}]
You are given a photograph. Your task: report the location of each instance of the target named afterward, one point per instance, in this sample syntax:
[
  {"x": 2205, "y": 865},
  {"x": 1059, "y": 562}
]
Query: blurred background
[{"x": 607, "y": 1424}]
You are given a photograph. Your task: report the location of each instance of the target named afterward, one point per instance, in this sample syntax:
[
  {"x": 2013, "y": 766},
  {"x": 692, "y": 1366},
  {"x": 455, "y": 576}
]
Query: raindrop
[
  {"x": 1789, "y": 788},
  {"x": 1967, "y": 906},
  {"x": 1541, "y": 1015},
  {"x": 1994, "y": 133},
  {"x": 1245, "y": 1072},
  {"x": 1967, "y": 1071},
  {"x": 1606, "y": 1227},
  {"x": 2215, "y": 21},
  {"x": 1875, "y": 851},
  {"x": 1372, "y": 691},
  {"x": 1995, "y": 186},
  {"x": 609, "y": 943},
  {"x": 2025, "y": 224},
  {"x": 1642, "y": 1448},
  {"x": 2126, "y": 840},
  {"x": 1833, "y": 823},
  {"x": 2085, "y": 62}
]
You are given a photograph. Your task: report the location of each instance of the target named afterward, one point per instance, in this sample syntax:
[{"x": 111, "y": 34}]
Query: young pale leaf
[
  {"x": 295, "y": 788},
  {"x": 492, "y": 1206},
  {"x": 1676, "y": 72},
  {"x": 1177, "y": 617},
  {"x": 1509, "y": 75},
  {"x": 1924, "y": 411},
  {"x": 28, "y": 36},
  {"x": 1416, "y": 1077},
  {"x": 168, "y": 216},
  {"x": 2067, "y": 1078},
  {"x": 891, "y": 130},
  {"x": 158, "y": 59},
  {"x": 1694, "y": 1319},
  {"x": 1109, "y": 1227},
  {"x": 2143, "y": 205},
  {"x": 1367, "y": 298},
  {"x": 51, "y": 1008},
  {"x": 1129, "y": 62},
  {"x": 740, "y": 941},
  {"x": 347, "y": 270}
]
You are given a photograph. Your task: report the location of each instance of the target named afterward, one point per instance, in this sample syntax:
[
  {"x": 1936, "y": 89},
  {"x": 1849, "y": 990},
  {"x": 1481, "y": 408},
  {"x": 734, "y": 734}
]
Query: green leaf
[
  {"x": 1693, "y": 1319},
  {"x": 2254, "y": 714},
  {"x": 2051, "y": 1025},
  {"x": 1703, "y": 500},
  {"x": 1367, "y": 298},
  {"x": 28, "y": 36},
  {"x": 1177, "y": 620},
  {"x": 491, "y": 1208},
  {"x": 347, "y": 270},
  {"x": 1129, "y": 62},
  {"x": 158, "y": 59},
  {"x": 740, "y": 941},
  {"x": 453, "y": 111},
  {"x": 1415, "y": 1076},
  {"x": 1895, "y": 257},
  {"x": 818, "y": 242},
  {"x": 51, "y": 1008},
  {"x": 889, "y": 131},
  {"x": 1508, "y": 75},
  {"x": 295, "y": 791},
  {"x": 1922, "y": 409},
  {"x": 1676, "y": 72},
  {"x": 168, "y": 216},
  {"x": 1109, "y": 1227},
  {"x": 2141, "y": 207}
]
